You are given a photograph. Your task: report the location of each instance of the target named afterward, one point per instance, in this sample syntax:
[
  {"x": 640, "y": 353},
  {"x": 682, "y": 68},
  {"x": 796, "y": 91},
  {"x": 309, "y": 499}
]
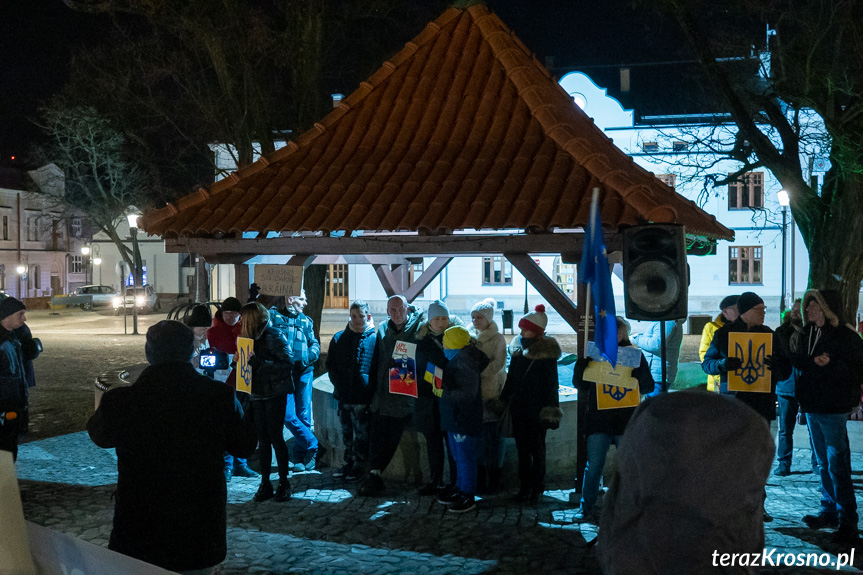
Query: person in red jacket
[{"x": 223, "y": 336}]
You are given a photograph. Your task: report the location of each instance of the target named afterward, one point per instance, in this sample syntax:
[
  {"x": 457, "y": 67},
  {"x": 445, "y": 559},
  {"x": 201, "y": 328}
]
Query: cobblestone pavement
[{"x": 66, "y": 484}]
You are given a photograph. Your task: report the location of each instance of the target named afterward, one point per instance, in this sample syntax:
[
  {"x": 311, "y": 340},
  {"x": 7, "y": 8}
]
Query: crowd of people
[{"x": 182, "y": 431}]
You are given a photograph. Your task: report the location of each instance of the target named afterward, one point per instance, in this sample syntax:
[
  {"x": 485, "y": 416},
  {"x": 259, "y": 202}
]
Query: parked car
[
  {"x": 144, "y": 298},
  {"x": 99, "y": 295}
]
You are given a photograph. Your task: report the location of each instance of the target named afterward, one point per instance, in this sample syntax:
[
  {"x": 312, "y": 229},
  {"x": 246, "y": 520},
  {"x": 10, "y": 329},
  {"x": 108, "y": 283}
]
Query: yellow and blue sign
[
  {"x": 752, "y": 349},
  {"x": 245, "y": 346},
  {"x": 615, "y": 397}
]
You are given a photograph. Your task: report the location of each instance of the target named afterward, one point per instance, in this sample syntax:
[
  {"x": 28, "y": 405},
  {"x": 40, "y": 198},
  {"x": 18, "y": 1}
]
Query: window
[
  {"x": 679, "y": 146},
  {"x": 650, "y": 147},
  {"x": 744, "y": 264},
  {"x": 5, "y": 227},
  {"x": 34, "y": 278},
  {"x": 76, "y": 264},
  {"x": 496, "y": 271},
  {"x": 564, "y": 276},
  {"x": 76, "y": 226},
  {"x": 414, "y": 272},
  {"x": 32, "y": 228},
  {"x": 747, "y": 192},
  {"x": 667, "y": 179},
  {"x": 2, "y": 277}
]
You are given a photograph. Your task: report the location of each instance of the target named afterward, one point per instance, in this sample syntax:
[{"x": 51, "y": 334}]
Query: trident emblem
[{"x": 754, "y": 366}]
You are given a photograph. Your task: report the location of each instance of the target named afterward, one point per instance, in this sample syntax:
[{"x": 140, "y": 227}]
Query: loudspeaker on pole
[{"x": 655, "y": 273}]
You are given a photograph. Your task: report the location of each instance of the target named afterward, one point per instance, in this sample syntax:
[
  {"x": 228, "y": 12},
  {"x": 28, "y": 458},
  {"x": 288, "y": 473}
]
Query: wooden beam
[
  {"x": 546, "y": 287},
  {"x": 227, "y": 258},
  {"x": 370, "y": 260},
  {"x": 304, "y": 260},
  {"x": 241, "y": 282},
  {"x": 429, "y": 274},
  {"x": 392, "y": 278},
  {"x": 405, "y": 246}
]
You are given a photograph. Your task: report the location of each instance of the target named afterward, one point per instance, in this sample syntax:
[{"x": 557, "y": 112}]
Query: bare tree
[{"x": 812, "y": 58}]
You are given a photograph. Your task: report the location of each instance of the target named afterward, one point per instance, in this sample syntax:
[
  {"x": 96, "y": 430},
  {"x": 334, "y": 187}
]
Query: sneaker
[
  {"x": 821, "y": 520},
  {"x": 373, "y": 485},
  {"x": 355, "y": 472},
  {"x": 782, "y": 471},
  {"x": 448, "y": 495},
  {"x": 283, "y": 491},
  {"x": 264, "y": 492},
  {"x": 343, "y": 470},
  {"x": 228, "y": 473},
  {"x": 767, "y": 518},
  {"x": 462, "y": 503},
  {"x": 847, "y": 533},
  {"x": 429, "y": 489},
  {"x": 243, "y": 470},
  {"x": 588, "y": 517}
]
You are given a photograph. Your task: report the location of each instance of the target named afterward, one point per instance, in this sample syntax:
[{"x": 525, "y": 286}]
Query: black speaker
[{"x": 655, "y": 274}]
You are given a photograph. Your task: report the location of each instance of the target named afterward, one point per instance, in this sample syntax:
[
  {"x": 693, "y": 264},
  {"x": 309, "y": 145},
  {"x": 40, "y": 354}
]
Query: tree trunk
[
  {"x": 314, "y": 282},
  {"x": 836, "y": 246}
]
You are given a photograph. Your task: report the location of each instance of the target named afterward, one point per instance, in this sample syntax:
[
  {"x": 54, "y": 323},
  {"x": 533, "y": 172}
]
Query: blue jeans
[
  {"x": 298, "y": 413},
  {"x": 597, "y": 449},
  {"x": 787, "y": 420},
  {"x": 830, "y": 441},
  {"x": 463, "y": 449}
]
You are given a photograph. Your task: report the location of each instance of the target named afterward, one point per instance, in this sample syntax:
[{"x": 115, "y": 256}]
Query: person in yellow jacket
[{"x": 728, "y": 309}]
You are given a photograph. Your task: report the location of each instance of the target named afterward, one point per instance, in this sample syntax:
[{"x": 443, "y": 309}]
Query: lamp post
[
  {"x": 97, "y": 261},
  {"x": 88, "y": 273},
  {"x": 22, "y": 270},
  {"x": 784, "y": 201},
  {"x": 132, "y": 217}
]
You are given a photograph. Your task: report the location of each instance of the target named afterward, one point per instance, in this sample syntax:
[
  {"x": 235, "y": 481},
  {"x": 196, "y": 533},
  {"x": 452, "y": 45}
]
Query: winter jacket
[
  {"x": 384, "y": 402},
  {"x": 784, "y": 332},
  {"x": 299, "y": 331},
  {"x": 272, "y": 365},
  {"x": 13, "y": 380},
  {"x": 426, "y": 416},
  {"x": 223, "y": 336},
  {"x": 531, "y": 383},
  {"x": 30, "y": 350},
  {"x": 650, "y": 344},
  {"x": 835, "y": 387},
  {"x": 714, "y": 364},
  {"x": 349, "y": 364},
  {"x": 706, "y": 339},
  {"x": 493, "y": 345},
  {"x": 608, "y": 421},
  {"x": 461, "y": 402},
  {"x": 171, "y": 429}
]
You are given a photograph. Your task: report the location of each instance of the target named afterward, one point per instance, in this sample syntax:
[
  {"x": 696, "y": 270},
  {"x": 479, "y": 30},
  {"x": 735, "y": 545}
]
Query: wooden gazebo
[{"x": 461, "y": 144}]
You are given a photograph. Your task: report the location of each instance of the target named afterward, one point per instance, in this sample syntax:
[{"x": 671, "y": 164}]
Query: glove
[
  {"x": 732, "y": 363},
  {"x": 768, "y": 361}
]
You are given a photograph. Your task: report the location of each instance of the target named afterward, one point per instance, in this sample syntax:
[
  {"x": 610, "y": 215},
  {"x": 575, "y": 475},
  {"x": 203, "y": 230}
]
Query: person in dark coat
[
  {"x": 430, "y": 356},
  {"x": 602, "y": 427},
  {"x": 531, "y": 389},
  {"x": 461, "y": 413},
  {"x": 170, "y": 429},
  {"x": 271, "y": 361},
  {"x": 350, "y": 360},
  {"x": 828, "y": 355},
  {"x": 14, "y": 393},
  {"x": 718, "y": 361}
]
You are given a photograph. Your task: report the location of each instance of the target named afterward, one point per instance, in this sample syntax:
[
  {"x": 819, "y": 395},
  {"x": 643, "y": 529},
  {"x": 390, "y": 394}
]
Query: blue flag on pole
[{"x": 595, "y": 271}]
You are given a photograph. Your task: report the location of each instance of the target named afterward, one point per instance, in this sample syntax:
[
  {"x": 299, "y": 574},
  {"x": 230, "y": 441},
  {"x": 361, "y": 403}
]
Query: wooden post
[{"x": 241, "y": 282}]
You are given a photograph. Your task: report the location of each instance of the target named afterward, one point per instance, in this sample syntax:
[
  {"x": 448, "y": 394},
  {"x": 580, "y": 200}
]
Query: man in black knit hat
[{"x": 13, "y": 385}]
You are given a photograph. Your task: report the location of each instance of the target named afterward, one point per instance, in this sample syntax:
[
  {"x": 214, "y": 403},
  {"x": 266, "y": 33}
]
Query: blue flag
[{"x": 595, "y": 271}]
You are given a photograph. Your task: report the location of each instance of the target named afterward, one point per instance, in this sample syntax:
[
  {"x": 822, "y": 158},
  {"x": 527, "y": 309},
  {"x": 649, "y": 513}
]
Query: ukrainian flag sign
[
  {"x": 752, "y": 349},
  {"x": 434, "y": 375},
  {"x": 244, "y": 370},
  {"x": 614, "y": 397}
]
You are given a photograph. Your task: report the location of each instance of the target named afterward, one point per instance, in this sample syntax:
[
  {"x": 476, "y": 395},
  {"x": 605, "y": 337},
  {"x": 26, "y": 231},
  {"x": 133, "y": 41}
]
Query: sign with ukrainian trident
[
  {"x": 615, "y": 397},
  {"x": 245, "y": 346},
  {"x": 403, "y": 369},
  {"x": 751, "y": 349}
]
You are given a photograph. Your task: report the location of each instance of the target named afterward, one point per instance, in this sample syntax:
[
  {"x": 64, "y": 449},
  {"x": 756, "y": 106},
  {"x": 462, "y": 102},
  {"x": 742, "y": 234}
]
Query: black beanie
[
  {"x": 231, "y": 304},
  {"x": 9, "y": 306},
  {"x": 169, "y": 341},
  {"x": 728, "y": 302},
  {"x": 200, "y": 316},
  {"x": 747, "y": 301}
]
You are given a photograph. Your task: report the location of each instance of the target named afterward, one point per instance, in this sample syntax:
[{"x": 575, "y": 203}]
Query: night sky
[{"x": 36, "y": 38}]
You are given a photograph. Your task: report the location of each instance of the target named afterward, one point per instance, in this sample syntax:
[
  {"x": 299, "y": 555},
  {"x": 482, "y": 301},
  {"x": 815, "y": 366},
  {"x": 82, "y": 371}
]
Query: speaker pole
[{"x": 662, "y": 353}]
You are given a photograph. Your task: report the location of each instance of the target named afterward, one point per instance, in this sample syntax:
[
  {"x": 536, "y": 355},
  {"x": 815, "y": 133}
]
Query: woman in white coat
[{"x": 491, "y": 342}]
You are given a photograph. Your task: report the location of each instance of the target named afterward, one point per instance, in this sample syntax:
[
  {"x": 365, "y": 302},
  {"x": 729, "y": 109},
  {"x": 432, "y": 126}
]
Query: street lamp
[
  {"x": 132, "y": 217},
  {"x": 22, "y": 270},
  {"x": 85, "y": 251},
  {"x": 97, "y": 261},
  {"x": 784, "y": 201}
]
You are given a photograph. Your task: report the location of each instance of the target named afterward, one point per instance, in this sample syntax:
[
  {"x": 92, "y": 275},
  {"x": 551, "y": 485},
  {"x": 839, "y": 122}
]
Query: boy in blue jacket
[{"x": 461, "y": 413}]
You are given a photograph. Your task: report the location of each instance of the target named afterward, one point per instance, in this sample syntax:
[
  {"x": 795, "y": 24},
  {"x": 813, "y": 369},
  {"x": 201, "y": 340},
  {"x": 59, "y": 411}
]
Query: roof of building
[{"x": 461, "y": 129}]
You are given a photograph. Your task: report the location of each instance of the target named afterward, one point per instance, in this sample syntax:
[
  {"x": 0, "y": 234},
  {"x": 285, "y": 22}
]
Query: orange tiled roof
[{"x": 462, "y": 129}]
